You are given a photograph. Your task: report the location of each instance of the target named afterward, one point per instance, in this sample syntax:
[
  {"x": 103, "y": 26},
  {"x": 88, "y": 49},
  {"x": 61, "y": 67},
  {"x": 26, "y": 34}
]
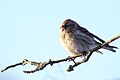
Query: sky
[{"x": 30, "y": 29}]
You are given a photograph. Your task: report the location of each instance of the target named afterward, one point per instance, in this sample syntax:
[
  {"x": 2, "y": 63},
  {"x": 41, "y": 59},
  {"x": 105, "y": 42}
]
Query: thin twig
[{"x": 11, "y": 66}]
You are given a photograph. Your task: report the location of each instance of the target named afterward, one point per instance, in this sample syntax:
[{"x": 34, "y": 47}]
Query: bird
[{"x": 76, "y": 39}]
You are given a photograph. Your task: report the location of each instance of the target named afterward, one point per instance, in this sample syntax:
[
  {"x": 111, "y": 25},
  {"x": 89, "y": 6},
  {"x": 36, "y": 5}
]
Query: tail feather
[
  {"x": 111, "y": 48},
  {"x": 114, "y": 47}
]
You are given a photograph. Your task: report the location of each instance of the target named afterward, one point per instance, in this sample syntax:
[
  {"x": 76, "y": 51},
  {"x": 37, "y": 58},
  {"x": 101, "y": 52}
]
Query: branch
[{"x": 42, "y": 65}]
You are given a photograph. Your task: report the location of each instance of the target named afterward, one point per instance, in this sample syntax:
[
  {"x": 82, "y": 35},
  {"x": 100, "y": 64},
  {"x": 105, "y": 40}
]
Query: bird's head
[{"x": 69, "y": 25}]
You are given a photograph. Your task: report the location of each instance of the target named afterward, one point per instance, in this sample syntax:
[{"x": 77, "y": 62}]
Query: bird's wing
[
  {"x": 94, "y": 36},
  {"x": 90, "y": 34}
]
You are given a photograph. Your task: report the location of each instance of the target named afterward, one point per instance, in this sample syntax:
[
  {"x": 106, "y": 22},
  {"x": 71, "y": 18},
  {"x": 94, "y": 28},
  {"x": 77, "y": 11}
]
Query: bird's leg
[
  {"x": 71, "y": 59},
  {"x": 87, "y": 56},
  {"x": 84, "y": 53}
]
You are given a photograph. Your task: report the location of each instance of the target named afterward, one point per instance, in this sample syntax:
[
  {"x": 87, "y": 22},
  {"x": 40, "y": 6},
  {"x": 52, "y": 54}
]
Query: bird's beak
[{"x": 62, "y": 26}]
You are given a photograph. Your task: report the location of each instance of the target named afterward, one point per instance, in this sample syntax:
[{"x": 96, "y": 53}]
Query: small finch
[{"x": 77, "y": 39}]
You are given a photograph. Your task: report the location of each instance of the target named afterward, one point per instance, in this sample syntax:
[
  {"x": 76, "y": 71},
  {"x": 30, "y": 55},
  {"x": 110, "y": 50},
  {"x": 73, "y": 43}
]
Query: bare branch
[
  {"x": 11, "y": 66},
  {"x": 42, "y": 65}
]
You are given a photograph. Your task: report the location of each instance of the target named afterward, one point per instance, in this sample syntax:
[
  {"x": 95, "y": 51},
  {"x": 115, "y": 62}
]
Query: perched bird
[{"x": 77, "y": 39}]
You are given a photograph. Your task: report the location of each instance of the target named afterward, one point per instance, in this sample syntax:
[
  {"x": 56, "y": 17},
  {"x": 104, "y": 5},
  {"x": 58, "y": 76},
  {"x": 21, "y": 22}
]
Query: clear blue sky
[{"x": 29, "y": 29}]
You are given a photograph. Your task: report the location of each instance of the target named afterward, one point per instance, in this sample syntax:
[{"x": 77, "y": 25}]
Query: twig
[
  {"x": 11, "y": 66},
  {"x": 42, "y": 65}
]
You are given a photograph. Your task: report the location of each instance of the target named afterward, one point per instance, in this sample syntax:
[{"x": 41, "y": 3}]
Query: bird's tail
[{"x": 111, "y": 48}]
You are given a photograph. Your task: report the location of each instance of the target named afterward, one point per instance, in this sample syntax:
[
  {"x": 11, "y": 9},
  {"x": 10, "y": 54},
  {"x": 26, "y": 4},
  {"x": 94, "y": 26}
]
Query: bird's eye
[{"x": 68, "y": 25}]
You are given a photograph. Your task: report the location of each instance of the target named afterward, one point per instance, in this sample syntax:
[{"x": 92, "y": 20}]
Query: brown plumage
[{"x": 77, "y": 39}]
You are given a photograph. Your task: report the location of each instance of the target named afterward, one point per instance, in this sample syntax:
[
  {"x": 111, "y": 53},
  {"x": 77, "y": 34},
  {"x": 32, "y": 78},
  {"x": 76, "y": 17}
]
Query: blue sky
[{"x": 29, "y": 29}]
